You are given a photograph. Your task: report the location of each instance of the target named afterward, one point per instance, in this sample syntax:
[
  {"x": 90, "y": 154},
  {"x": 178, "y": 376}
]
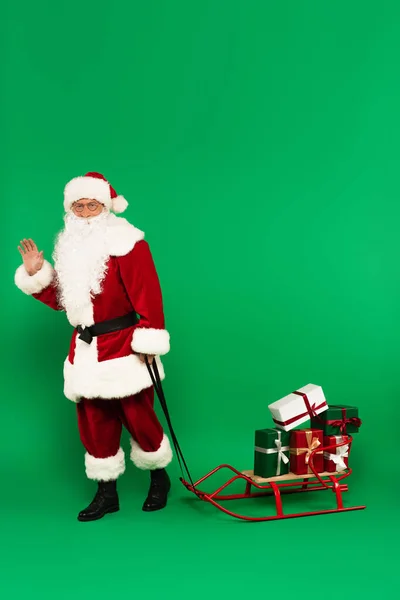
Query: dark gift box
[
  {"x": 338, "y": 420},
  {"x": 271, "y": 453}
]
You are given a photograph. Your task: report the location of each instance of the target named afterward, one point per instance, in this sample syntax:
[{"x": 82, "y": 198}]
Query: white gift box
[{"x": 298, "y": 407}]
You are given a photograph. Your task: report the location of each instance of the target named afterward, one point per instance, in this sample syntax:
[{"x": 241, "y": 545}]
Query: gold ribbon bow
[{"x": 312, "y": 443}]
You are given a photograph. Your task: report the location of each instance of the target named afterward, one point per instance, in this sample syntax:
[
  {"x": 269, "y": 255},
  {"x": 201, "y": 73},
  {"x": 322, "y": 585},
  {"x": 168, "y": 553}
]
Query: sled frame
[{"x": 277, "y": 487}]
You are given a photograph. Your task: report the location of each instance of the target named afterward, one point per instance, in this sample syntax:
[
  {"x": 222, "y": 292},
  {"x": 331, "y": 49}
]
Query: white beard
[{"x": 80, "y": 261}]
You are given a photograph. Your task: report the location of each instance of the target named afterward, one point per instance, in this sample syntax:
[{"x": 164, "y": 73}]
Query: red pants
[{"x": 100, "y": 426}]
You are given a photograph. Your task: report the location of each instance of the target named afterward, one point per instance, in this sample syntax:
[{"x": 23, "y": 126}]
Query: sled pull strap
[{"x": 155, "y": 377}]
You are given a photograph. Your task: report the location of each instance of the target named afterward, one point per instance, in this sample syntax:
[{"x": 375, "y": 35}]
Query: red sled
[
  {"x": 277, "y": 487},
  {"x": 274, "y": 486}
]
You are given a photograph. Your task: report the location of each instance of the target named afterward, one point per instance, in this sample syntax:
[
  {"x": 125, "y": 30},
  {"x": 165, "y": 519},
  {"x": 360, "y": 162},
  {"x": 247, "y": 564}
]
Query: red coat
[{"x": 108, "y": 367}]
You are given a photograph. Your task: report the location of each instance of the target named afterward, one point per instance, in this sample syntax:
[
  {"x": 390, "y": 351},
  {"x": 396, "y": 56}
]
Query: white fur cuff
[
  {"x": 105, "y": 469},
  {"x": 33, "y": 284},
  {"x": 151, "y": 460},
  {"x": 150, "y": 341}
]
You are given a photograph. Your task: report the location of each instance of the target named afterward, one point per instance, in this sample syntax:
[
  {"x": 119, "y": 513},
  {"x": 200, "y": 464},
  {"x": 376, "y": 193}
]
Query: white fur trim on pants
[
  {"x": 151, "y": 460},
  {"x": 150, "y": 341},
  {"x": 33, "y": 284},
  {"x": 105, "y": 469}
]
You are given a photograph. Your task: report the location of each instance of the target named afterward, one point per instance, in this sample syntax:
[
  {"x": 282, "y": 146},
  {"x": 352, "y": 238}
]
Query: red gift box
[
  {"x": 336, "y": 459},
  {"x": 302, "y": 443}
]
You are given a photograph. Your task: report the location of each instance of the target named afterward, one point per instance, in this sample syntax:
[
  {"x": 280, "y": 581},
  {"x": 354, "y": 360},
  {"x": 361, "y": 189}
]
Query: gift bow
[
  {"x": 312, "y": 444},
  {"x": 342, "y": 452},
  {"x": 311, "y": 411},
  {"x": 311, "y": 408},
  {"x": 280, "y": 451},
  {"x": 342, "y": 423},
  {"x": 281, "y": 455}
]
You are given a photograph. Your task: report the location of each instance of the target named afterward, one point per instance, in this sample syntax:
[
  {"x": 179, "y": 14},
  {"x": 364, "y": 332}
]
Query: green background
[{"x": 257, "y": 143}]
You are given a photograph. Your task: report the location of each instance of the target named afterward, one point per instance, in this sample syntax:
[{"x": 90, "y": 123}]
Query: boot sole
[
  {"x": 153, "y": 509},
  {"x": 112, "y": 509}
]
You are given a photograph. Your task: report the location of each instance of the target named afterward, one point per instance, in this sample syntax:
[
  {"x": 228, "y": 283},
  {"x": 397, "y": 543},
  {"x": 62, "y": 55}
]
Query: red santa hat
[{"x": 96, "y": 187}]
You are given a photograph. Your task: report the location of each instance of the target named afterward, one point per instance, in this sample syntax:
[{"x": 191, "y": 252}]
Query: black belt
[{"x": 86, "y": 334}]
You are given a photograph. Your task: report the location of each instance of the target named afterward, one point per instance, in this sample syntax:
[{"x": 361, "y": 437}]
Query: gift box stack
[{"x": 286, "y": 448}]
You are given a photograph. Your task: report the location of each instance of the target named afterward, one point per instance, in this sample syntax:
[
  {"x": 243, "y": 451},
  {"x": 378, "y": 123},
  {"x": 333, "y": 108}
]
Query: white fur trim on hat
[
  {"x": 150, "y": 341},
  {"x": 151, "y": 460},
  {"x": 87, "y": 187},
  {"x": 33, "y": 284},
  {"x": 105, "y": 469}
]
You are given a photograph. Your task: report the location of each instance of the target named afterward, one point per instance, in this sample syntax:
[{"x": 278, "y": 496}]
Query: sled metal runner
[
  {"x": 274, "y": 486},
  {"x": 277, "y": 487}
]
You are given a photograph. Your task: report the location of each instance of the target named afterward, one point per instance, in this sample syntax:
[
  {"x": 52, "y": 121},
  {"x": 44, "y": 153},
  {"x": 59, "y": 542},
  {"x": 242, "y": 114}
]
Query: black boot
[
  {"x": 158, "y": 492},
  {"x": 105, "y": 501}
]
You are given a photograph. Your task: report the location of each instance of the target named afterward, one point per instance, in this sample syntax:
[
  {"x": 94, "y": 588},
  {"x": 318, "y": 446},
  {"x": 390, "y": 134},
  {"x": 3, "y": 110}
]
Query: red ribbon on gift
[
  {"x": 311, "y": 410},
  {"x": 344, "y": 421}
]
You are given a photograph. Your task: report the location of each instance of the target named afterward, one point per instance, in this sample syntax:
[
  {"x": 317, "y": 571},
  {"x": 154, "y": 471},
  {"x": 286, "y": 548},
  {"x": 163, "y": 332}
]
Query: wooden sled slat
[{"x": 287, "y": 476}]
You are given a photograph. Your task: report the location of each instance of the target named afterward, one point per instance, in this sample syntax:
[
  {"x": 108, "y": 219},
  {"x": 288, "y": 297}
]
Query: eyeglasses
[{"x": 92, "y": 206}]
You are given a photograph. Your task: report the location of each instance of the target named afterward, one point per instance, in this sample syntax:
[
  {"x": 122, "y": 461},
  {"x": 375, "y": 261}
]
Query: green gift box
[
  {"x": 271, "y": 452},
  {"x": 338, "y": 420}
]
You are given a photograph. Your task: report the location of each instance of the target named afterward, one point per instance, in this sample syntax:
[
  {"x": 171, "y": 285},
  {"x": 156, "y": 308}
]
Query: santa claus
[{"x": 105, "y": 280}]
